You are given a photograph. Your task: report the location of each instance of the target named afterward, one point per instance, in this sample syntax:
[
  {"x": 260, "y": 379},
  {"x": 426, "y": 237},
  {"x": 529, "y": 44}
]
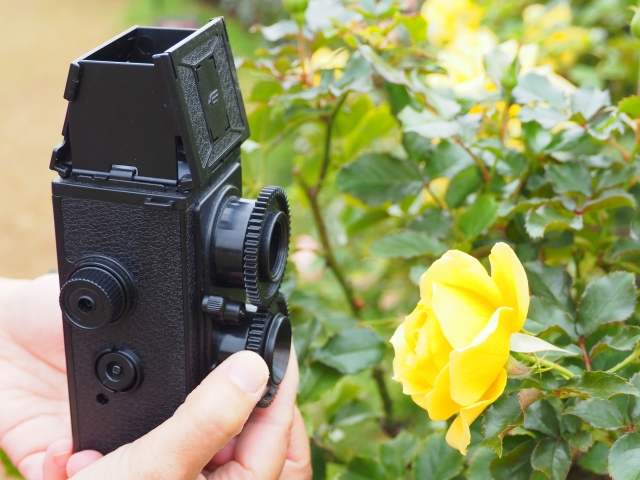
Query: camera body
[{"x": 165, "y": 270}]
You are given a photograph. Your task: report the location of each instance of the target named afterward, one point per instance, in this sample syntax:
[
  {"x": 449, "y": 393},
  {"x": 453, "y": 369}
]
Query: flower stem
[
  {"x": 545, "y": 363},
  {"x": 585, "y": 355},
  {"x": 626, "y": 361},
  {"x": 389, "y": 425}
]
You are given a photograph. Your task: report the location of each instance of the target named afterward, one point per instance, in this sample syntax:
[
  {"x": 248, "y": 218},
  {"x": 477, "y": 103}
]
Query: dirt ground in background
[{"x": 38, "y": 40}]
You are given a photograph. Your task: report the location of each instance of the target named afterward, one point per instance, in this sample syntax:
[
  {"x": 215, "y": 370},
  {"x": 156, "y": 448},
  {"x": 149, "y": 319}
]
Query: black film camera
[{"x": 165, "y": 269}]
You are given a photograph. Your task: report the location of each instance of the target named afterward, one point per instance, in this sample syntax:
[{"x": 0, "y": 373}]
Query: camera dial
[
  {"x": 118, "y": 369},
  {"x": 98, "y": 291},
  {"x": 250, "y": 244}
]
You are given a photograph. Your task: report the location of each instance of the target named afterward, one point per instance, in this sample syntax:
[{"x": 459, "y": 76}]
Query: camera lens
[
  {"x": 277, "y": 347},
  {"x": 250, "y": 244}
]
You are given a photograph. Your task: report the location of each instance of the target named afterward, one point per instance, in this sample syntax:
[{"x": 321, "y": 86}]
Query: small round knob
[
  {"x": 118, "y": 369},
  {"x": 92, "y": 298}
]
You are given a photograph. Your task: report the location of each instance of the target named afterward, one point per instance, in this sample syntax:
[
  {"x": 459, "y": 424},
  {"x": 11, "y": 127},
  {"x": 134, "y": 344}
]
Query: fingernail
[
  {"x": 61, "y": 459},
  {"x": 242, "y": 371}
]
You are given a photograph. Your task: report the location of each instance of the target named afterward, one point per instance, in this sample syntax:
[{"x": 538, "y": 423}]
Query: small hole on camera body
[{"x": 102, "y": 399}]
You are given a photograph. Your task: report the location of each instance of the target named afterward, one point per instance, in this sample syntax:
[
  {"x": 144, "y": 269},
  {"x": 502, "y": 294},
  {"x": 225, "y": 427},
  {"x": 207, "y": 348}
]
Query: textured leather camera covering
[{"x": 157, "y": 248}]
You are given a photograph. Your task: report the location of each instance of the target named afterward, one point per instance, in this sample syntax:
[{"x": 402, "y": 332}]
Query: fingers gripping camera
[{"x": 165, "y": 268}]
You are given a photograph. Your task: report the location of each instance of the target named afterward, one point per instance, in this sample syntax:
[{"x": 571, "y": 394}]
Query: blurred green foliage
[{"x": 401, "y": 134}]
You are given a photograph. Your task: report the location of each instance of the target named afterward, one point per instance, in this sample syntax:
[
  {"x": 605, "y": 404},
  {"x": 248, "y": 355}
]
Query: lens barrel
[{"x": 250, "y": 244}]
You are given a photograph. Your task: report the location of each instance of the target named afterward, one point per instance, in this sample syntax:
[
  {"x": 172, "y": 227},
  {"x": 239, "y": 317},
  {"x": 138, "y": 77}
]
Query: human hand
[
  {"x": 199, "y": 441},
  {"x": 34, "y": 405}
]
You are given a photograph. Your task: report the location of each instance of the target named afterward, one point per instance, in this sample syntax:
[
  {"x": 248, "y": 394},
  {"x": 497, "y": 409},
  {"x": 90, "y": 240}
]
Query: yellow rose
[{"x": 451, "y": 351}]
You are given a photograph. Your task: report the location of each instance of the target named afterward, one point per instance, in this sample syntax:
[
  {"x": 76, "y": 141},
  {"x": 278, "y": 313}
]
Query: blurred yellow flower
[
  {"x": 446, "y": 19},
  {"x": 451, "y": 351}
]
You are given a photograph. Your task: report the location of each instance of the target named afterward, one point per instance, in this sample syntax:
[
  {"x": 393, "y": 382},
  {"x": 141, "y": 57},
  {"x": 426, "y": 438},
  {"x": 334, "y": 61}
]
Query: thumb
[{"x": 212, "y": 415}]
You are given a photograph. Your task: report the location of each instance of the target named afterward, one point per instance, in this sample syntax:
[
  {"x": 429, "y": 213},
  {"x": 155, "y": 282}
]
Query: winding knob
[{"x": 92, "y": 298}]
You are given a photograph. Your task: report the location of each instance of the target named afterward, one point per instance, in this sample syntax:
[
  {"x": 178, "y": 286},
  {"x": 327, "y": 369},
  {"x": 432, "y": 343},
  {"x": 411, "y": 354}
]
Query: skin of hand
[{"x": 215, "y": 434}]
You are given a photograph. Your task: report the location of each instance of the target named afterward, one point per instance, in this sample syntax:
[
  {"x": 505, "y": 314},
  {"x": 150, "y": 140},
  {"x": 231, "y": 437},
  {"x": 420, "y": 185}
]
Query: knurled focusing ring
[{"x": 92, "y": 298}]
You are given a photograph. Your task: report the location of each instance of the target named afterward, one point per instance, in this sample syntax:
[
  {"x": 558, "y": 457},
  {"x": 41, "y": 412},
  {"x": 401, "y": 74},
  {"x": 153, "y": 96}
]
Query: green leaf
[
  {"x": 546, "y": 117},
  {"x": 542, "y": 417},
  {"x": 363, "y": 468},
  {"x": 596, "y": 459},
  {"x": 611, "y": 298},
  {"x": 598, "y": 413},
  {"x": 434, "y": 221},
  {"x": 352, "y": 350},
  {"x": 615, "y": 176},
  {"x": 546, "y": 218},
  {"x": 506, "y": 413},
  {"x": 447, "y": 159},
  {"x": 624, "y": 458},
  {"x": 608, "y": 200},
  {"x": 544, "y": 315},
  {"x": 415, "y": 24},
  {"x": 478, "y": 217},
  {"x": 536, "y": 88},
  {"x": 551, "y": 283},
  {"x": 621, "y": 247},
  {"x": 407, "y": 244},
  {"x": 318, "y": 463},
  {"x": 303, "y": 335},
  {"x": 515, "y": 465},
  {"x": 396, "y": 454},
  {"x": 536, "y": 138},
  {"x": 426, "y": 124},
  {"x": 588, "y": 101},
  {"x": 624, "y": 341},
  {"x": 462, "y": 184},
  {"x": 382, "y": 67},
  {"x": 633, "y": 407},
  {"x": 376, "y": 123},
  {"x": 582, "y": 441},
  {"x": 436, "y": 460},
  {"x": 264, "y": 91},
  {"x": 631, "y": 106},
  {"x": 376, "y": 179},
  {"x": 416, "y": 146},
  {"x": 353, "y": 412},
  {"x": 569, "y": 177},
  {"x": 479, "y": 464},
  {"x": 315, "y": 380},
  {"x": 600, "y": 385},
  {"x": 552, "y": 456}
]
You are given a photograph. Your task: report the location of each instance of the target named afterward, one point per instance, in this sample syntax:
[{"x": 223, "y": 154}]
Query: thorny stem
[
  {"x": 636, "y": 146},
  {"x": 438, "y": 201},
  {"x": 505, "y": 117},
  {"x": 485, "y": 173},
  {"x": 614, "y": 143},
  {"x": 585, "y": 355},
  {"x": 389, "y": 425},
  {"x": 311, "y": 193},
  {"x": 302, "y": 57},
  {"x": 626, "y": 361},
  {"x": 545, "y": 363}
]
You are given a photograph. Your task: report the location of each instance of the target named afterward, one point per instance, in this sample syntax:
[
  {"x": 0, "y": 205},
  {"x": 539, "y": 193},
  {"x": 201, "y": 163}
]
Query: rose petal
[
  {"x": 438, "y": 401},
  {"x": 459, "y": 269},
  {"x": 511, "y": 279},
  {"x": 461, "y": 313},
  {"x": 476, "y": 367},
  {"x": 459, "y": 435}
]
